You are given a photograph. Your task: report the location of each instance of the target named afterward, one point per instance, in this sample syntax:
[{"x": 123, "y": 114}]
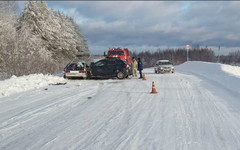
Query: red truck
[{"x": 123, "y": 54}]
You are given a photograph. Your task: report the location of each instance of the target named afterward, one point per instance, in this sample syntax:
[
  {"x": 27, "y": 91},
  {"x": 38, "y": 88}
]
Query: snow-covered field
[{"x": 196, "y": 108}]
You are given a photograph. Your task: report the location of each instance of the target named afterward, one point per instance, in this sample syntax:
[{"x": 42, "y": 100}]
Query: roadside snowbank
[
  {"x": 234, "y": 70},
  {"x": 24, "y": 83},
  {"x": 223, "y": 75}
]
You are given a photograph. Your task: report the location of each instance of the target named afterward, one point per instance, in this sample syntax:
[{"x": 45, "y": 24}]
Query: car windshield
[{"x": 164, "y": 63}]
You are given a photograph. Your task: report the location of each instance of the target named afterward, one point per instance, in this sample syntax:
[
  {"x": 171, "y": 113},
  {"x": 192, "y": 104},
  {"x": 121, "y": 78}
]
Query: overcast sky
[{"x": 143, "y": 25}]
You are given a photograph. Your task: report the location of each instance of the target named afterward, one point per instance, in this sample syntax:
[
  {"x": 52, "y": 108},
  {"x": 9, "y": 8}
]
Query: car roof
[{"x": 110, "y": 58}]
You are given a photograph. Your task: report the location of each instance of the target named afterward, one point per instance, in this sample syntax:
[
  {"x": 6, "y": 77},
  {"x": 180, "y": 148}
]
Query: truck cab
[{"x": 122, "y": 54}]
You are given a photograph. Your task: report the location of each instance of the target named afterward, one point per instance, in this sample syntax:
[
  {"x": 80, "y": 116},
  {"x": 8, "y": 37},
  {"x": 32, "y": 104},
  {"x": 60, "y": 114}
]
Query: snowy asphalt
[{"x": 190, "y": 112}]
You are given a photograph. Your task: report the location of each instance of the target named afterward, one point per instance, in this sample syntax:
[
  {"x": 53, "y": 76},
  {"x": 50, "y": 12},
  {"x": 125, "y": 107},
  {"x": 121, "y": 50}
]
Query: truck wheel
[{"x": 120, "y": 75}]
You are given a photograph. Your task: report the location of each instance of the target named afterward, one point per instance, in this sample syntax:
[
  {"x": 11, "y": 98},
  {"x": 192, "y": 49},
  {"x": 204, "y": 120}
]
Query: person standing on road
[
  {"x": 140, "y": 67},
  {"x": 134, "y": 66}
]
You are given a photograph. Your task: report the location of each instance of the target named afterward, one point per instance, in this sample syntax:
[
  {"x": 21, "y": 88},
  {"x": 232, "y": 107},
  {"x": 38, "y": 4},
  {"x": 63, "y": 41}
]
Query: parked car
[
  {"x": 164, "y": 66},
  {"x": 76, "y": 70},
  {"x": 110, "y": 67}
]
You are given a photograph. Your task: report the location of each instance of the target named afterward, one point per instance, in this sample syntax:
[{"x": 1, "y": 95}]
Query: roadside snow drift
[
  {"x": 225, "y": 76},
  {"x": 209, "y": 68},
  {"x": 24, "y": 83}
]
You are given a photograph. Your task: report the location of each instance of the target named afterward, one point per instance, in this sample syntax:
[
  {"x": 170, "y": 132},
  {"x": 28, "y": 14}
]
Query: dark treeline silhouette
[
  {"x": 176, "y": 56},
  {"x": 232, "y": 58}
]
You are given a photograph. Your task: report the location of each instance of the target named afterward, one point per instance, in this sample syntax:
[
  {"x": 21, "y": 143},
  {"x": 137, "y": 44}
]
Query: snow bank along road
[{"x": 196, "y": 108}]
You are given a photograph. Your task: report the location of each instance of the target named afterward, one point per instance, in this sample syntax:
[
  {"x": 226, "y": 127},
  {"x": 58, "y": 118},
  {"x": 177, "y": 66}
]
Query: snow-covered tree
[
  {"x": 54, "y": 34},
  {"x": 41, "y": 41},
  {"x": 8, "y": 21}
]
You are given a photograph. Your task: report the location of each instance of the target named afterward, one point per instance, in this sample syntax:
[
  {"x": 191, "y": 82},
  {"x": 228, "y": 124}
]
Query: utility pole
[
  {"x": 219, "y": 54},
  {"x": 187, "y": 47}
]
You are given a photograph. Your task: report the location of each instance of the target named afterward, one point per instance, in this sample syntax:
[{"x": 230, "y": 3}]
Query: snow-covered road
[{"x": 193, "y": 110}]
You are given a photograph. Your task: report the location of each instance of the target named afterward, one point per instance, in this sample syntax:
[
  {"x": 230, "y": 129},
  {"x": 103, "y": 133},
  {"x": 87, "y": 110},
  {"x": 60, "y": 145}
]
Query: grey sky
[{"x": 144, "y": 25}]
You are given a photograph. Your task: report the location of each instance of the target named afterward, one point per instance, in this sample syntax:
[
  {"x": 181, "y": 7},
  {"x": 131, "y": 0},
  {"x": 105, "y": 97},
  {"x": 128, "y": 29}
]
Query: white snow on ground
[
  {"x": 208, "y": 67},
  {"x": 225, "y": 76},
  {"x": 234, "y": 70},
  {"x": 25, "y": 83},
  {"x": 196, "y": 108}
]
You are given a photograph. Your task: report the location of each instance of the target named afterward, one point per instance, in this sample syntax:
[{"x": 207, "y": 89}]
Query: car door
[
  {"x": 110, "y": 69},
  {"x": 98, "y": 68}
]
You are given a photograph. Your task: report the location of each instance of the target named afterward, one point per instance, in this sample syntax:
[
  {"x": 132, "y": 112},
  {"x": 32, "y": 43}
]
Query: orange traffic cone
[
  {"x": 144, "y": 77},
  {"x": 153, "y": 88}
]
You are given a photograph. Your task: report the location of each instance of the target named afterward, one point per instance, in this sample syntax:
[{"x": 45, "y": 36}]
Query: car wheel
[{"x": 120, "y": 75}]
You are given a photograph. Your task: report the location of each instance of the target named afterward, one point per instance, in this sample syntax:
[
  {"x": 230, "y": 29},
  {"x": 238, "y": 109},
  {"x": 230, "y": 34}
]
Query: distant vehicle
[
  {"x": 123, "y": 54},
  {"x": 76, "y": 70},
  {"x": 110, "y": 67},
  {"x": 164, "y": 66}
]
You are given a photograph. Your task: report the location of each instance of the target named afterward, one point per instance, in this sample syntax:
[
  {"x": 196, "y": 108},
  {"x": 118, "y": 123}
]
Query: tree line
[
  {"x": 176, "y": 56},
  {"x": 232, "y": 58}
]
